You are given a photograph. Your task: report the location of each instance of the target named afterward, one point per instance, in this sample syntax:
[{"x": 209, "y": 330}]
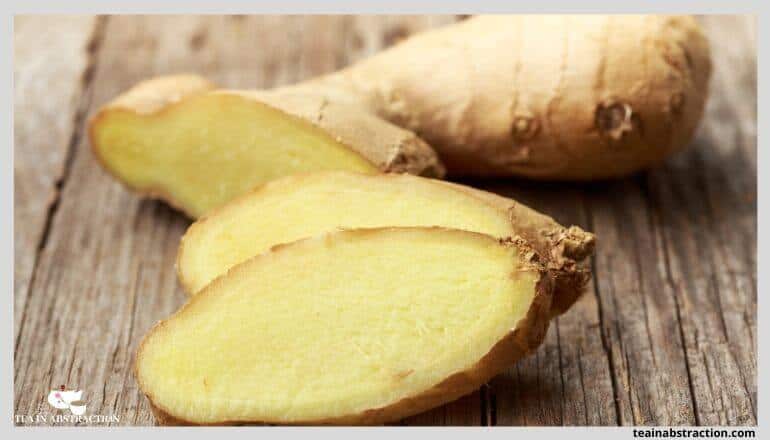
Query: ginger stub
[
  {"x": 359, "y": 326},
  {"x": 303, "y": 206}
]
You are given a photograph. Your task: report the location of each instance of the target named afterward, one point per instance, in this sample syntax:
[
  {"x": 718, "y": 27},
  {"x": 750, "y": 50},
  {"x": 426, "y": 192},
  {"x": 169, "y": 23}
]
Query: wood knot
[
  {"x": 613, "y": 119},
  {"x": 525, "y": 127}
]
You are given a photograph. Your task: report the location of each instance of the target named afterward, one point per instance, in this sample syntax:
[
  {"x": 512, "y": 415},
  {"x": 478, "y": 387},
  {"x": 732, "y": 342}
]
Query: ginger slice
[
  {"x": 178, "y": 139},
  {"x": 358, "y": 326},
  {"x": 296, "y": 207}
]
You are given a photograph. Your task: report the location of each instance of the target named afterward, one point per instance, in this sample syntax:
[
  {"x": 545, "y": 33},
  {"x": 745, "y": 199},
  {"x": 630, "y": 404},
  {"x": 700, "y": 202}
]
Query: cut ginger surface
[
  {"x": 358, "y": 326},
  {"x": 302, "y": 206},
  {"x": 177, "y": 139},
  {"x": 213, "y": 147}
]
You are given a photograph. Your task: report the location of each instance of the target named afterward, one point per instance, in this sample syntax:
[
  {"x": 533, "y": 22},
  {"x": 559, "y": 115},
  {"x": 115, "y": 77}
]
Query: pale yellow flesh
[
  {"x": 335, "y": 325},
  {"x": 210, "y": 148},
  {"x": 304, "y": 206}
]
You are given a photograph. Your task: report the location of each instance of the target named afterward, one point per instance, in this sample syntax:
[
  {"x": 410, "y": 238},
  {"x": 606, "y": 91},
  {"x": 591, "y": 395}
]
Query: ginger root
[
  {"x": 572, "y": 97},
  {"x": 547, "y": 97},
  {"x": 301, "y": 206},
  {"x": 360, "y": 326}
]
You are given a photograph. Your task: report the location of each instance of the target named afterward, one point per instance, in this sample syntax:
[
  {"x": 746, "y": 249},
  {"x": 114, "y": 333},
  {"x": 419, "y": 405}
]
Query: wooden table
[{"x": 666, "y": 333}]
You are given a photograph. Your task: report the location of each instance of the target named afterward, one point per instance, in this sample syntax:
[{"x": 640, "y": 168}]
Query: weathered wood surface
[
  {"x": 47, "y": 51},
  {"x": 665, "y": 335}
]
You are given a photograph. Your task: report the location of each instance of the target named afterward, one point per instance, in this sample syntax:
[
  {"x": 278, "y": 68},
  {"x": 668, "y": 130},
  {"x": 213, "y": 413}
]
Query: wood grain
[
  {"x": 51, "y": 61},
  {"x": 666, "y": 333}
]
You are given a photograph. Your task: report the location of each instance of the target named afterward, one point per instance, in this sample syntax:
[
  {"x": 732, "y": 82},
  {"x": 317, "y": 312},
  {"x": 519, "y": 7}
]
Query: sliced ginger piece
[
  {"x": 355, "y": 327},
  {"x": 296, "y": 207},
  {"x": 178, "y": 139}
]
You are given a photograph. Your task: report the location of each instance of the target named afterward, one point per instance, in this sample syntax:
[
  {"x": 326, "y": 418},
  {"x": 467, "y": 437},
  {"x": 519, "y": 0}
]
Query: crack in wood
[
  {"x": 654, "y": 213},
  {"x": 606, "y": 345}
]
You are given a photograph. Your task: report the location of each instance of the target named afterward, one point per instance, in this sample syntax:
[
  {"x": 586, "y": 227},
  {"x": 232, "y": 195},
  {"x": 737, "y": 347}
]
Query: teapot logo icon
[{"x": 67, "y": 399}]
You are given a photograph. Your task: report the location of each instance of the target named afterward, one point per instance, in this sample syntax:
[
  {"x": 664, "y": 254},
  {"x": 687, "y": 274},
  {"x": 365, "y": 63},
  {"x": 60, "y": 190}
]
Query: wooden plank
[
  {"x": 106, "y": 273},
  {"x": 51, "y": 58},
  {"x": 706, "y": 209},
  {"x": 640, "y": 320}
]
